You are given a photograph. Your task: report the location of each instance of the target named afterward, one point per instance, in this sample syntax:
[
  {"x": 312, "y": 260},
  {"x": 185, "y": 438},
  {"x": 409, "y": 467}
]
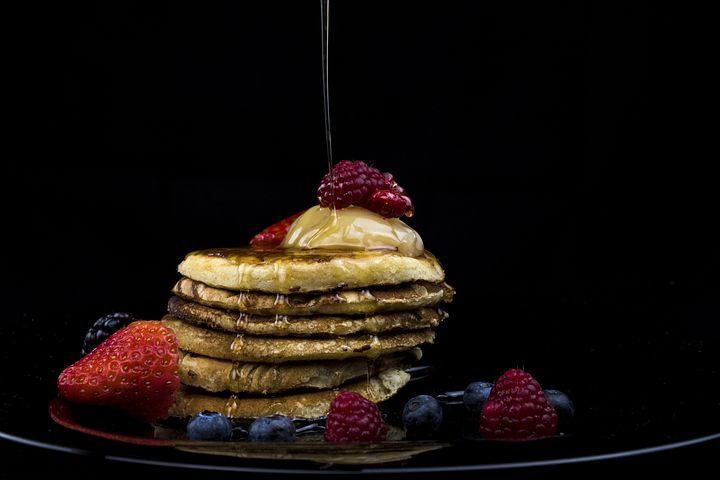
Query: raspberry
[
  {"x": 353, "y": 418},
  {"x": 391, "y": 184},
  {"x": 517, "y": 409},
  {"x": 389, "y": 204},
  {"x": 356, "y": 183}
]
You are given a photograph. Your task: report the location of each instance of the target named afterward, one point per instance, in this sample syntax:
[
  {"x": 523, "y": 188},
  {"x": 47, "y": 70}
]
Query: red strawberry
[
  {"x": 134, "y": 370},
  {"x": 273, "y": 235},
  {"x": 517, "y": 409}
]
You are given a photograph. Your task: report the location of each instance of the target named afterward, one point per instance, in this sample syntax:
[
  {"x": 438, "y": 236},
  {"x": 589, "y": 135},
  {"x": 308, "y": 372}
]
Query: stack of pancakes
[{"x": 281, "y": 331}]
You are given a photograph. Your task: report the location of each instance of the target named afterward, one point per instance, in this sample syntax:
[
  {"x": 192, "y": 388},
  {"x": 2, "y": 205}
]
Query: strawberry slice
[
  {"x": 135, "y": 370},
  {"x": 273, "y": 235}
]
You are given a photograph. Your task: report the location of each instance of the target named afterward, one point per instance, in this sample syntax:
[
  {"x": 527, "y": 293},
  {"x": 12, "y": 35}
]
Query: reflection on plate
[
  {"x": 351, "y": 454},
  {"x": 309, "y": 446},
  {"x": 92, "y": 422}
]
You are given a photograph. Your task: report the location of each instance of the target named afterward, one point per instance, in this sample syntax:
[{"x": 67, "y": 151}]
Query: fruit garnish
[
  {"x": 390, "y": 204},
  {"x": 103, "y": 328},
  {"x": 134, "y": 370},
  {"x": 422, "y": 416},
  {"x": 273, "y": 235},
  {"x": 353, "y": 182},
  {"x": 564, "y": 407},
  {"x": 475, "y": 396},
  {"x": 208, "y": 425},
  {"x": 273, "y": 428},
  {"x": 517, "y": 409},
  {"x": 353, "y": 418}
]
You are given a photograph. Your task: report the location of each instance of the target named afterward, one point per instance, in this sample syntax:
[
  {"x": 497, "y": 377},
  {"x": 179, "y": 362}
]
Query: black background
[{"x": 544, "y": 147}]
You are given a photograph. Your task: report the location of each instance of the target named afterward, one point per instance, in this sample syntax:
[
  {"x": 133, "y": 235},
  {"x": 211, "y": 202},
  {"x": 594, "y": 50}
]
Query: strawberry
[
  {"x": 134, "y": 370},
  {"x": 517, "y": 409},
  {"x": 273, "y": 235}
]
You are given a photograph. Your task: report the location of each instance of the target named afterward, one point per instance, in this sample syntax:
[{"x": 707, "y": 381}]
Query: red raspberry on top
[
  {"x": 389, "y": 204},
  {"x": 353, "y": 418},
  {"x": 357, "y": 183},
  {"x": 134, "y": 370},
  {"x": 517, "y": 409}
]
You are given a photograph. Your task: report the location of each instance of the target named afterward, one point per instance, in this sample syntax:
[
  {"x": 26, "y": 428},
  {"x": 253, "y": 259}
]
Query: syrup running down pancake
[
  {"x": 216, "y": 375},
  {"x": 309, "y": 405},
  {"x": 347, "y": 302},
  {"x": 298, "y": 271},
  {"x": 304, "y": 325}
]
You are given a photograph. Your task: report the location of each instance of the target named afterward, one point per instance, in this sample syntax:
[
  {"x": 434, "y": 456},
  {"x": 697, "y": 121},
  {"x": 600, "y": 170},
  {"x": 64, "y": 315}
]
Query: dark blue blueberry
[
  {"x": 475, "y": 396},
  {"x": 422, "y": 416},
  {"x": 103, "y": 328},
  {"x": 274, "y": 428},
  {"x": 208, "y": 425},
  {"x": 563, "y": 406}
]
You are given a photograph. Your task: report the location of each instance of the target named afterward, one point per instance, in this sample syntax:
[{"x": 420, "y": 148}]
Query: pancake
[
  {"x": 312, "y": 326},
  {"x": 316, "y": 404},
  {"x": 247, "y": 348},
  {"x": 346, "y": 302},
  {"x": 267, "y": 378},
  {"x": 315, "y": 270}
]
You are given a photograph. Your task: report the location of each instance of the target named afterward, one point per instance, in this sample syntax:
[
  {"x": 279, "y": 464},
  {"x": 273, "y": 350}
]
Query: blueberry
[
  {"x": 274, "y": 428},
  {"x": 563, "y": 405},
  {"x": 208, "y": 425},
  {"x": 475, "y": 396},
  {"x": 422, "y": 416},
  {"x": 103, "y": 328}
]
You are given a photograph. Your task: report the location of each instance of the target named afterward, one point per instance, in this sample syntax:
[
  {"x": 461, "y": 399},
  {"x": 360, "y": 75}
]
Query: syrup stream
[{"x": 325, "y": 30}]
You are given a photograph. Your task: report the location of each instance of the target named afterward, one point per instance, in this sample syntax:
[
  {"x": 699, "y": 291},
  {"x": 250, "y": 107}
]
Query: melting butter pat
[{"x": 352, "y": 228}]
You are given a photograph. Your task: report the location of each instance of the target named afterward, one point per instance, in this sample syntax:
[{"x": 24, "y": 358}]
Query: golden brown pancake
[
  {"x": 303, "y": 326},
  {"x": 315, "y": 404},
  {"x": 216, "y": 375},
  {"x": 247, "y": 348},
  {"x": 316, "y": 270},
  {"x": 346, "y": 302}
]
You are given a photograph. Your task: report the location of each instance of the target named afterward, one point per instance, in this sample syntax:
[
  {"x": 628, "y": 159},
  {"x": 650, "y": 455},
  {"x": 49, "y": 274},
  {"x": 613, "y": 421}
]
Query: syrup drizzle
[
  {"x": 236, "y": 346},
  {"x": 235, "y": 375},
  {"x": 231, "y": 405},
  {"x": 325, "y": 30},
  {"x": 241, "y": 322}
]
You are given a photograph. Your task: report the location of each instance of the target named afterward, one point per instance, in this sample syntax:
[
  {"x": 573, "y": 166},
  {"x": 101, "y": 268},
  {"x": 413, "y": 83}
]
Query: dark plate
[{"x": 639, "y": 394}]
